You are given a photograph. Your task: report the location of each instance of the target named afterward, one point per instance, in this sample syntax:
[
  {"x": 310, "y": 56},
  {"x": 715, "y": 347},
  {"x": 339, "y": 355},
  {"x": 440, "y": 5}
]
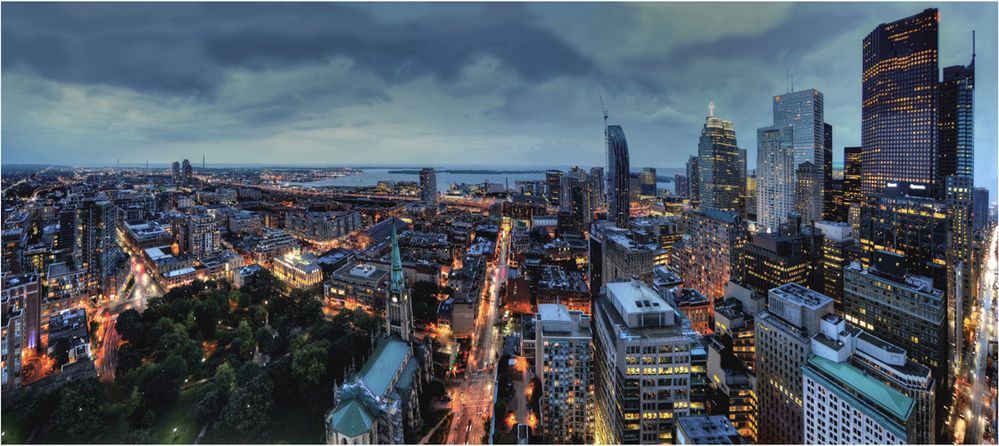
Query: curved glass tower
[{"x": 618, "y": 168}]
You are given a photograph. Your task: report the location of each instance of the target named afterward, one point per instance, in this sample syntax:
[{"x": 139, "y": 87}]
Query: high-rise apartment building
[
  {"x": 618, "y": 176},
  {"x": 783, "y": 344},
  {"x": 563, "y": 363},
  {"x": 647, "y": 180},
  {"x": 428, "y": 186},
  {"x": 712, "y": 253},
  {"x": 575, "y": 202},
  {"x": 722, "y": 179},
  {"x": 187, "y": 172},
  {"x": 202, "y": 236},
  {"x": 598, "y": 186},
  {"x": 97, "y": 249},
  {"x": 693, "y": 181},
  {"x": 899, "y": 103},
  {"x": 644, "y": 352},
  {"x": 775, "y": 182}
]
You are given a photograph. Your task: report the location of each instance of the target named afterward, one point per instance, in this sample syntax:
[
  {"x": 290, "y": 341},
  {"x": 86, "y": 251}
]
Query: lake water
[{"x": 371, "y": 176}]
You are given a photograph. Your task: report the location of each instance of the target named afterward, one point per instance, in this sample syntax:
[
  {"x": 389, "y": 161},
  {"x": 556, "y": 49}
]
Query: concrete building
[
  {"x": 563, "y": 364},
  {"x": 783, "y": 344},
  {"x": 298, "y": 270},
  {"x": 871, "y": 376},
  {"x": 837, "y": 252},
  {"x": 704, "y": 429},
  {"x": 903, "y": 309},
  {"x": 644, "y": 361},
  {"x": 711, "y": 253}
]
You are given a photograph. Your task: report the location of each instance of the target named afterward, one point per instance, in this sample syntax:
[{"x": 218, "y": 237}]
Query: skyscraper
[
  {"x": 647, "y": 180},
  {"x": 775, "y": 183},
  {"x": 643, "y": 353},
  {"x": 712, "y": 254},
  {"x": 562, "y": 361},
  {"x": 828, "y": 192},
  {"x": 575, "y": 202},
  {"x": 175, "y": 171},
  {"x": 808, "y": 192},
  {"x": 853, "y": 194},
  {"x": 980, "y": 201},
  {"x": 722, "y": 182},
  {"x": 693, "y": 181},
  {"x": 904, "y": 309},
  {"x": 957, "y": 121},
  {"x": 188, "y": 172},
  {"x": 618, "y": 168},
  {"x": 783, "y": 343},
  {"x": 913, "y": 226},
  {"x": 598, "y": 198},
  {"x": 553, "y": 180},
  {"x": 803, "y": 112},
  {"x": 899, "y": 108},
  {"x": 428, "y": 186}
]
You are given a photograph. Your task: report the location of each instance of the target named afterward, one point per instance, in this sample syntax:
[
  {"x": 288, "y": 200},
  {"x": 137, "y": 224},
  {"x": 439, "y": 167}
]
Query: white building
[
  {"x": 775, "y": 181},
  {"x": 890, "y": 398}
]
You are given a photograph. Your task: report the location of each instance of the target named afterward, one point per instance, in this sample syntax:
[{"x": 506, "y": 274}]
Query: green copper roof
[
  {"x": 383, "y": 364},
  {"x": 406, "y": 380},
  {"x": 876, "y": 391},
  {"x": 352, "y": 419}
]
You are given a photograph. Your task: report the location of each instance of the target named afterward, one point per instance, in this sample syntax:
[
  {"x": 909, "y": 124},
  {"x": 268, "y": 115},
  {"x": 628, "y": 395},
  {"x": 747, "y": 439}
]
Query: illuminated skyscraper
[
  {"x": 899, "y": 108},
  {"x": 957, "y": 165},
  {"x": 722, "y": 180},
  {"x": 428, "y": 186},
  {"x": 693, "y": 182},
  {"x": 775, "y": 184},
  {"x": 553, "y": 180},
  {"x": 647, "y": 180},
  {"x": 618, "y": 167},
  {"x": 803, "y": 111}
]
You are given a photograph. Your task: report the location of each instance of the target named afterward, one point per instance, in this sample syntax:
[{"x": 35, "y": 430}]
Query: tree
[
  {"x": 225, "y": 377},
  {"x": 308, "y": 360},
  {"x": 80, "y": 409},
  {"x": 250, "y": 405},
  {"x": 211, "y": 404},
  {"x": 160, "y": 383}
]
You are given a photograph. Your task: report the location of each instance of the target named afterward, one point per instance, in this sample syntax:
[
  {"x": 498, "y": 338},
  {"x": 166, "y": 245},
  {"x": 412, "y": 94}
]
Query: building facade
[
  {"x": 722, "y": 179},
  {"x": 899, "y": 103}
]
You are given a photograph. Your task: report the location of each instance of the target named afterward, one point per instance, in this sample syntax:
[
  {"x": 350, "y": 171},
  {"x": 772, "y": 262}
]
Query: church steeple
[
  {"x": 398, "y": 281},
  {"x": 399, "y": 307}
]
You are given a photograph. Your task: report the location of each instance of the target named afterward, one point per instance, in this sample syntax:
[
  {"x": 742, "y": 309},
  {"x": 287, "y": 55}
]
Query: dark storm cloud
[{"x": 185, "y": 48}]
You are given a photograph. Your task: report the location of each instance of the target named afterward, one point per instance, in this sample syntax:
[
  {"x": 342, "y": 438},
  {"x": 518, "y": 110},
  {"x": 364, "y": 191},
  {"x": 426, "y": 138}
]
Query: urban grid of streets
[{"x": 472, "y": 395}]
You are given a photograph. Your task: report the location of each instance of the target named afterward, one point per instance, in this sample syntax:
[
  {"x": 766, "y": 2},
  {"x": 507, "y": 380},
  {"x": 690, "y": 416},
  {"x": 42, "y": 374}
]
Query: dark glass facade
[
  {"x": 899, "y": 109},
  {"x": 618, "y": 167}
]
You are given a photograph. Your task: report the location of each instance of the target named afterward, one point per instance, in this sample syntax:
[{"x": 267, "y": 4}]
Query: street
[
  {"x": 982, "y": 395},
  {"x": 472, "y": 396}
]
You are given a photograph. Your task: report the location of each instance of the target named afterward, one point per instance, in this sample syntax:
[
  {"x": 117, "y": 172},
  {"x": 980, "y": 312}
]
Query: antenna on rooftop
[{"x": 787, "y": 77}]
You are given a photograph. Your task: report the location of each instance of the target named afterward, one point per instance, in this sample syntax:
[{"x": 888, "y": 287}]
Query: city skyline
[{"x": 234, "y": 92}]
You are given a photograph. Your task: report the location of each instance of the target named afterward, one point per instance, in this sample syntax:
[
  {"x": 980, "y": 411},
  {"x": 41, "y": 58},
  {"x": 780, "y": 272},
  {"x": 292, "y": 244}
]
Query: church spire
[{"x": 398, "y": 281}]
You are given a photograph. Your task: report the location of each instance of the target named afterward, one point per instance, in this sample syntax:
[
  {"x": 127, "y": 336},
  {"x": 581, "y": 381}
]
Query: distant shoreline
[{"x": 468, "y": 172}]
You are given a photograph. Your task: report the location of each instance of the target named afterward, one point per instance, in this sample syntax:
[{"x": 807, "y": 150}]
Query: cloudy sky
[{"x": 433, "y": 84}]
